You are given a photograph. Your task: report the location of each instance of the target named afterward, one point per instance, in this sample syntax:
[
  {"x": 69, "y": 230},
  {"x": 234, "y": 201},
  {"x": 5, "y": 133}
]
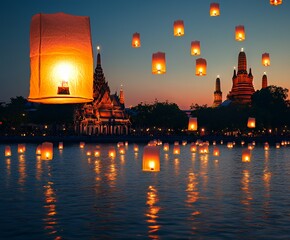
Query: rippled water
[{"x": 194, "y": 196}]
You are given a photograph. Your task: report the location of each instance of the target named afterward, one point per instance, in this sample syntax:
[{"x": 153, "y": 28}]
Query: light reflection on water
[{"x": 75, "y": 196}]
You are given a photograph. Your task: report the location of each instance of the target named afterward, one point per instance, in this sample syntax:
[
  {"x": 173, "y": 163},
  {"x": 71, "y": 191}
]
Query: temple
[
  {"x": 218, "y": 95},
  {"x": 264, "y": 81},
  {"x": 242, "y": 88},
  {"x": 105, "y": 115}
]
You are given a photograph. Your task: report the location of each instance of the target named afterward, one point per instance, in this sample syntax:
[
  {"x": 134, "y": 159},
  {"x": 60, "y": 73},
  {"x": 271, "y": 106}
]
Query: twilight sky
[{"x": 114, "y": 21}]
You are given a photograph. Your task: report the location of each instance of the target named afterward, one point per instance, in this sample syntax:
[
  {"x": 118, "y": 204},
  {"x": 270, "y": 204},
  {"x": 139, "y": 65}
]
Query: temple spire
[
  {"x": 218, "y": 84},
  {"x": 122, "y": 98},
  {"x": 264, "y": 81},
  {"x": 217, "y": 93},
  {"x": 242, "y": 62},
  {"x": 98, "y": 56}
]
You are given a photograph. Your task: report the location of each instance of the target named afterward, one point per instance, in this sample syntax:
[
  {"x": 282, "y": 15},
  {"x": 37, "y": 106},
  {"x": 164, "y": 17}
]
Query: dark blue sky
[{"x": 114, "y": 21}]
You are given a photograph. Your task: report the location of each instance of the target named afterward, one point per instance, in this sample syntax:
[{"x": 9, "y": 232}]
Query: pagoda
[
  {"x": 106, "y": 114},
  {"x": 242, "y": 88},
  {"x": 218, "y": 95}
]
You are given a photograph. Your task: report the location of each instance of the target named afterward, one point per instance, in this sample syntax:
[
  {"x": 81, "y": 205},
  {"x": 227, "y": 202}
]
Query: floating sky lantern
[
  {"x": 251, "y": 122},
  {"x": 192, "y": 124},
  {"x": 38, "y": 150},
  {"x": 61, "y": 59},
  {"x": 246, "y": 155},
  {"x": 266, "y": 59},
  {"x": 193, "y": 147},
  {"x": 266, "y": 146},
  {"x": 151, "y": 158},
  {"x": 82, "y": 144},
  {"x": 200, "y": 69},
  {"x": 21, "y": 148},
  {"x": 7, "y": 151},
  {"x": 195, "y": 48},
  {"x": 166, "y": 147},
  {"x": 275, "y": 2},
  {"x": 214, "y": 9},
  {"x": 136, "y": 42},
  {"x": 216, "y": 151},
  {"x": 240, "y": 33},
  {"x": 46, "y": 151},
  {"x": 178, "y": 28},
  {"x": 158, "y": 63},
  {"x": 176, "y": 149}
]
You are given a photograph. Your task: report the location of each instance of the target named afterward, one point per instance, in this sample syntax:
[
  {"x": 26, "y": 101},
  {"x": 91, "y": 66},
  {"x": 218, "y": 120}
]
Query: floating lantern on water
[
  {"x": 158, "y": 63},
  {"x": 89, "y": 153},
  {"x": 277, "y": 145},
  {"x": 136, "y": 42},
  {"x": 46, "y": 151},
  {"x": 60, "y": 145},
  {"x": 266, "y": 59},
  {"x": 240, "y": 33},
  {"x": 38, "y": 150},
  {"x": 246, "y": 155},
  {"x": 200, "y": 69},
  {"x": 82, "y": 144},
  {"x": 275, "y": 2},
  {"x": 151, "y": 158},
  {"x": 61, "y": 59},
  {"x": 178, "y": 28},
  {"x": 192, "y": 124},
  {"x": 7, "y": 151},
  {"x": 266, "y": 146},
  {"x": 176, "y": 149},
  {"x": 230, "y": 145},
  {"x": 193, "y": 147},
  {"x": 120, "y": 144},
  {"x": 250, "y": 146},
  {"x": 166, "y": 147},
  {"x": 136, "y": 148},
  {"x": 214, "y": 143},
  {"x": 195, "y": 48},
  {"x": 184, "y": 142},
  {"x": 97, "y": 152},
  {"x": 122, "y": 150},
  {"x": 21, "y": 148},
  {"x": 242, "y": 143},
  {"x": 214, "y": 10},
  {"x": 251, "y": 122},
  {"x": 216, "y": 151}
]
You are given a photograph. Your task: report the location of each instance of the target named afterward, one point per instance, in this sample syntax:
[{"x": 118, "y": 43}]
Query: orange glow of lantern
[
  {"x": 21, "y": 148},
  {"x": 275, "y": 2},
  {"x": 166, "y": 147},
  {"x": 246, "y": 155},
  {"x": 151, "y": 158},
  {"x": 193, "y": 147},
  {"x": 195, "y": 48},
  {"x": 214, "y": 10},
  {"x": 216, "y": 151},
  {"x": 122, "y": 150},
  {"x": 251, "y": 122},
  {"x": 61, "y": 59},
  {"x": 120, "y": 144},
  {"x": 266, "y": 59},
  {"x": 251, "y": 146},
  {"x": 89, "y": 153},
  {"x": 7, "y": 151},
  {"x": 97, "y": 152},
  {"x": 158, "y": 63},
  {"x": 38, "y": 150},
  {"x": 112, "y": 152},
  {"x": 192, "y": 124},
  {"x": 82, "y": 144},
  {"x": 240, "y": 33},
  {"x": 176, "y": 149},
  {"x": 136, "y": 148},
  {"x": 178, "y": 28},
  {"x": 60, "y": 145},
  {"x": 266, "y": 146},
  {"x": 230, "y": 145},
  {"x": 184, "y": 142},
  {"x": 46, "y": 151},
  {"x": 277, "y": 145},
  {"x": 136, "y": 42},
  {"x": 200, "y": 69}
]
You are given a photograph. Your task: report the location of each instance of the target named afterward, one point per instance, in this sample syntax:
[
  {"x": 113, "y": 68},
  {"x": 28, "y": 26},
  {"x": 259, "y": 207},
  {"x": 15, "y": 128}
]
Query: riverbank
[{"x": 138, "y": 139}]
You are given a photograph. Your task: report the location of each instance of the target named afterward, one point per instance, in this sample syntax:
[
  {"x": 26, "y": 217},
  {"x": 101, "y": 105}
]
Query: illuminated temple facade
[
  {"x": 242, "y": 88},
  {"x": 105, "y": 115}
]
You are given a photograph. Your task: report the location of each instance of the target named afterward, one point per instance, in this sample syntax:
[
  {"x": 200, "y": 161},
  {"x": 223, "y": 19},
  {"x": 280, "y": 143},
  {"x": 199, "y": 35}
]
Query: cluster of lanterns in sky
[{"x": 159, "y": 59}]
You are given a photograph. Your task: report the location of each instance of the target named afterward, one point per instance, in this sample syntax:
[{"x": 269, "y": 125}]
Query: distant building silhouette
[
  {"x": 106, "y": 113},
  {"x": 242, "y": 88},
  {"x": 218, "y": 95}
]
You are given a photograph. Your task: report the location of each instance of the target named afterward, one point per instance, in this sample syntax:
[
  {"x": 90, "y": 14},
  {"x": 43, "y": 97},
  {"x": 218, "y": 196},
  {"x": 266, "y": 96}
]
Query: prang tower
[
  {"x": 218, "y": 95},
  {"x": 242, "y": 88},
  {"x": 264, "y": 81}
]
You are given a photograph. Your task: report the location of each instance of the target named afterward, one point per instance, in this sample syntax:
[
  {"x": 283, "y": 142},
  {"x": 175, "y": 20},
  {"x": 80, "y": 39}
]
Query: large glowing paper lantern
[
  {"x": 7, "y": 151},
  {"x": 61, "y": 59},
  {"x": 266, "y": 59},
  {"x": 46, "y": 151},
  {"x": 178, "y": 28},
  {"x": 214, "y": 10},
  {"x": 176, "y": 149},
  {"x": 200, "y": 69},
  {"x": 275, "y": 2},
  {"x": 246, "y": 155},
  {"x": 195, "y": 48},
  {"x": 151, "y": 158},
  {"x": 251, "y": 122},
  {"x": 158, "y": 63},
  {"x": 136, "y": 42},
  {"x": 240, "y": 33},
  {"x": 192, "y": 124}
]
